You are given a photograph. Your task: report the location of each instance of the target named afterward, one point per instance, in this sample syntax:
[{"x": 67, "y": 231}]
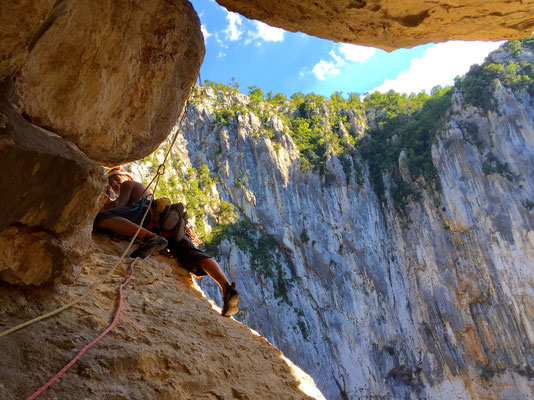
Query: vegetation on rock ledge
[
  {"x": 479, "y": 83},
  {"x": 380, "y": 130},
  {"x": 408, "y": 125},
  {"x": 261, "y": 248}
]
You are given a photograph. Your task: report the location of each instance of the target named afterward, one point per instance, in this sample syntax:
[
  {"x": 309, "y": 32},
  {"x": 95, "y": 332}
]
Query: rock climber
[
  {"x": 123, "y": 216},
  {"x": 124, "y": 213}
]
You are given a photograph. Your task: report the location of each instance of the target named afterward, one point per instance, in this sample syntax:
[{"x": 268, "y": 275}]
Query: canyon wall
[{"x": 374, "y": 301}]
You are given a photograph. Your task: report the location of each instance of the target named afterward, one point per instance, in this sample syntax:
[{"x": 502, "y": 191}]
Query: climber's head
[{"x": 116, "y": 176}]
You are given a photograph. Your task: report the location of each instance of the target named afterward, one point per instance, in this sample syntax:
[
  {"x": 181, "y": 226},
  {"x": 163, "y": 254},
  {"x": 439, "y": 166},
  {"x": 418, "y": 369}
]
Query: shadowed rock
[{"x": 50, "y": 191}]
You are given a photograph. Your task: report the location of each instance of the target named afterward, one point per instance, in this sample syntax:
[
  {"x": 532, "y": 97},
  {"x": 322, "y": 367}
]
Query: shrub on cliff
[
  {"x": 478, "y": 85},
  {"x": 409, "y": 124}
]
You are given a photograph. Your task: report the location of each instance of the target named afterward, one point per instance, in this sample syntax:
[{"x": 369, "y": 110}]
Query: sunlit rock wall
[
  {"x": 111, "y": 77},
  {"x": 391, "y": 24},
  {"x": 437, "y": 303},
  {"x": 168, "y": 343}
]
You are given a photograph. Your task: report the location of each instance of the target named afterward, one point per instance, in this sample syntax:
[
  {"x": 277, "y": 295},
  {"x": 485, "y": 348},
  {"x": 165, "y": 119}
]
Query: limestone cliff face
[
  {"x": 434, "y": 302},
  {"x": 370, "y": 301},
  {"x": 168, "y": 344}
]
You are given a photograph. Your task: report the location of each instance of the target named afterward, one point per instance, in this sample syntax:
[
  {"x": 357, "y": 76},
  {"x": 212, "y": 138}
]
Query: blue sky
[{"x": 281, "y": 61}]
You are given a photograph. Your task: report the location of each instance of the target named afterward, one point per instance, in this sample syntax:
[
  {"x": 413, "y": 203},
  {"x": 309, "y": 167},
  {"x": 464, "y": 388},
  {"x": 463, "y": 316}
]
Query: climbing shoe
[
  {"x": 149, "y": 246},
  {"x": 230, "y": 300}
]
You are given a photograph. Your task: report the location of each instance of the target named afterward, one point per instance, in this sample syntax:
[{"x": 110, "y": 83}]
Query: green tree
[{"x": 255, "y": 94}]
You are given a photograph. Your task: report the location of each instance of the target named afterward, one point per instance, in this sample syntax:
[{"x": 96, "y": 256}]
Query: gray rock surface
[{"x": 435, "y": 304}]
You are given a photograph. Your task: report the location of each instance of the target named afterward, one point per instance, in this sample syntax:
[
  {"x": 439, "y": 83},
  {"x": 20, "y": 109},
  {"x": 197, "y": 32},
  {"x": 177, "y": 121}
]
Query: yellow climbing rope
[{"x": 157, "y": 176}]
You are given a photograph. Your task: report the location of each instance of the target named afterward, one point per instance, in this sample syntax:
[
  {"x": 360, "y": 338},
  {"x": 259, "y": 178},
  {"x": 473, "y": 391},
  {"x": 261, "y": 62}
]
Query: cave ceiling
[{"x": 392, "y": 24}]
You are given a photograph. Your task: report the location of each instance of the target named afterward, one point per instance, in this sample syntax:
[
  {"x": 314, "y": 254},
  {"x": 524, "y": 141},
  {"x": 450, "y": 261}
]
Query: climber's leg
[
  {"x": 229, "y": 293},
  {"x": 199, "y": 263},
  {"x": 214, "y": 271},
  {"x": 122, "y": 226}
]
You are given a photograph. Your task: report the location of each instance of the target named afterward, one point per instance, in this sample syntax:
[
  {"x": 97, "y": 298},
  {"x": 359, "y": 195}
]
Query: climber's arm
[{"x": 124, "y": 195}]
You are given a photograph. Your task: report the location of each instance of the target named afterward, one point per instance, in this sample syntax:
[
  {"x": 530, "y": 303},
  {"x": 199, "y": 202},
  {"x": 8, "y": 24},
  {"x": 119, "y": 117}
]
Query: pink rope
[{"x": 88, "y": 346}]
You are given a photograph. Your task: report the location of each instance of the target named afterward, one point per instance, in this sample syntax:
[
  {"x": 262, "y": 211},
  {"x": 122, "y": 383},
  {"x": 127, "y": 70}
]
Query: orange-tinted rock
[
  {"x": 168, "y": 344},
  {"x": 21, "y": 25},
  {"x": 391, "y": 24},
  {"x": 112, "y": 76}
]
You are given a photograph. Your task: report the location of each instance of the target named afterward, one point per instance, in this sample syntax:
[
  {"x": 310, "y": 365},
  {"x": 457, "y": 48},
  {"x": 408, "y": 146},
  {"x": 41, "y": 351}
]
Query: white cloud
[
  {"x": 220, "y": 42},
  {"x": 349, "y": 53},
  {"x": 355, "y": 53},
  {"x": 339, "y": 61},
  {"x": 269, "y": 33},
  {"x": 324, "y": 68},
  {"x": 233, "y": 31},
  {"x": 205, "y": 32},
  {"x": 264, "y": 32},
  {"x": 439, "y": 65}
]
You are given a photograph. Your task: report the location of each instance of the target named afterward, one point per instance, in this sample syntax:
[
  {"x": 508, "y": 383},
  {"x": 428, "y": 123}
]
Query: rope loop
[{"x": 161, "y": 170}]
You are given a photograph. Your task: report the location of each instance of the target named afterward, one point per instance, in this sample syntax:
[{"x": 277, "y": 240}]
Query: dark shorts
[
  {"x": 188, "y": 255},
  {"x": 131, "y": 213}
]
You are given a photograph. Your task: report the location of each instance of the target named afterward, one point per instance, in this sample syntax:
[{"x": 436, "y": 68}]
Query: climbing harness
[
  {"x": 160, "y": 171},
  {"x": 94, "y": 341}
]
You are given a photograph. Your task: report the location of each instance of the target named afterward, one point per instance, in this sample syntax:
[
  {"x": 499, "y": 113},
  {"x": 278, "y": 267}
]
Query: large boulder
[
  {"x": 51, "y": 193},
  {"x": 110, "y": 76},
  {"x": 391, "y": 24},
  {"x": 22, "y": 22}
]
